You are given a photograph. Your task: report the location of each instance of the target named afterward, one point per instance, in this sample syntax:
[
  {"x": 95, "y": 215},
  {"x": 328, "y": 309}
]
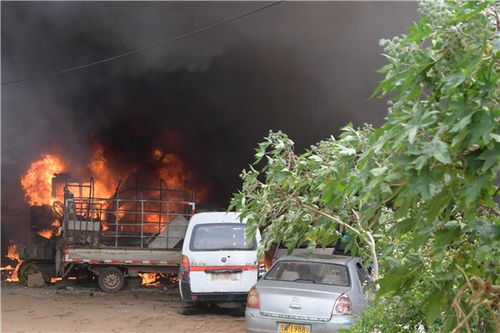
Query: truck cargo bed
[{"x": 122, "y": 256}]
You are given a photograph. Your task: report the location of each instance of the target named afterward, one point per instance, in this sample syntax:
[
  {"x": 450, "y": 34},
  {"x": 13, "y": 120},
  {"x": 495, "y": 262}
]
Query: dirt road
[{"x": 86, "y": 309}]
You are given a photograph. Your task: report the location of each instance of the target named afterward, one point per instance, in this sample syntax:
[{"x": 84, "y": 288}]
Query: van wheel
[{"x": 111, "y": 279}]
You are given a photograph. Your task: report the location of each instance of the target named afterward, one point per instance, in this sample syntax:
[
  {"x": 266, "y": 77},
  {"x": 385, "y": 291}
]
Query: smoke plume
[{"x": 304, "y": 68}]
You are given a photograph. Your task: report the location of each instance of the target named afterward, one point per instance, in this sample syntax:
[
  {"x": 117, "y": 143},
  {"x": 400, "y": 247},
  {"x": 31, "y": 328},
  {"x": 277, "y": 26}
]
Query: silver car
[{"x": 308, "y": 294}]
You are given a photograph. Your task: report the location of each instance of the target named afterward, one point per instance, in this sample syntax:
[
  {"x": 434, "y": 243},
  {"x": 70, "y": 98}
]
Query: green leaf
[
  {"x": 412, "y": 133},
  {"x": 378, "y": 171},
  {"x": 453, "y": 81},
  {"x": 405, "y": 225},
  {"x": 441, "y": 152},
  {"x": 437, "y": 205},
  {"x": 491, "y": 157},
  {"x": 496, "y": 45},
  {"x": 472, "y": 191},
  {"x": 448, "y": 235},
  {"x": 436, "y": 302}
]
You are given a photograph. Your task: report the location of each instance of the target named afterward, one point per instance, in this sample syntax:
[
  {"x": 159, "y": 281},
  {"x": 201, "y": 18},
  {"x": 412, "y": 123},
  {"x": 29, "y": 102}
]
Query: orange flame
[
  {"x": 55, "y": 229},
  {"x": 149, "y": 279},
  {"x": 173, "y": 170},
  {"x": 12, "y": 254},
  {"x": 105, "y": 180},
  {"x": 46, "y": 233},
  {"x": 37, "y": 182}
]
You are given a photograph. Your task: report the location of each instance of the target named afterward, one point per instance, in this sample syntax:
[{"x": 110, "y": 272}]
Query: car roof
[
  {"x": 215, "y": 217},
  {"x": 330, "y": 258}
]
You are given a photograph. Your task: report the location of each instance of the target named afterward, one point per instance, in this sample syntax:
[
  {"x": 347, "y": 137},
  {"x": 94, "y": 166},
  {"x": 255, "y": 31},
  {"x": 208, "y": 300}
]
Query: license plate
[
  {"x": 225, "y": 277},
  {"x": 293, "y": 328}
]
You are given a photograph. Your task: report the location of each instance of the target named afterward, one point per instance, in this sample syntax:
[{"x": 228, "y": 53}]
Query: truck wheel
[
  {"x": 111, "y": 279},
  {"x": 26, "y": 269}
]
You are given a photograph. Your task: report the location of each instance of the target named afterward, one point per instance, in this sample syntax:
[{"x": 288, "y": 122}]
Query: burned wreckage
[{"x": 137, "y": 230}]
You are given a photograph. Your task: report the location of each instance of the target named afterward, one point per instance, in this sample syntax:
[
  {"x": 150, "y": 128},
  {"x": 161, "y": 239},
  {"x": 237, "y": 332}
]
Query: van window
[{"x": 221, "y": 236}]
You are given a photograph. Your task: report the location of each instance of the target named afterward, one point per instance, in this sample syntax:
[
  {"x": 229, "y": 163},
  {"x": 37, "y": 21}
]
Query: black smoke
[{"x": 303, "y": 67}]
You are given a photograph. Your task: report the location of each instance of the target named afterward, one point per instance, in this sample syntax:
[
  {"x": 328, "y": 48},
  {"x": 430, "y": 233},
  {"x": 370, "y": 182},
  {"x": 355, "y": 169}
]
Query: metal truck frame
[{"x": 138, "y": 230}]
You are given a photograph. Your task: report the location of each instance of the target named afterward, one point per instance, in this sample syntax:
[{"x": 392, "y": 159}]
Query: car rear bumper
[
  {"x": 215, "y": 297},
  {"x": 257, "y": 323}
]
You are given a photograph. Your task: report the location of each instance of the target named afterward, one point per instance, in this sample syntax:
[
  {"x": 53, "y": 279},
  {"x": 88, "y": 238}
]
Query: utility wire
[{"x": 144, "y": 48}]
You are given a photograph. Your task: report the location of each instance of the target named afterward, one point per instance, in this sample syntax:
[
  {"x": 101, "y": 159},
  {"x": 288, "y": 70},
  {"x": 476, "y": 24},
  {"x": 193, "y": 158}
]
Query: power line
[{"x": 144, "y": 48}]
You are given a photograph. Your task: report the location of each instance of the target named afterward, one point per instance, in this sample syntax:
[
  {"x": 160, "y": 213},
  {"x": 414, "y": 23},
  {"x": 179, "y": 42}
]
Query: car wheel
[{"x": 111, "y": 279}]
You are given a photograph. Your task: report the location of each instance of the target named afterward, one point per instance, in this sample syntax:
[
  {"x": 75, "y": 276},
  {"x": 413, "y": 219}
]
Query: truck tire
[
  {"x": 28, "y": 268},
  {"x": 111, "y": 279}
]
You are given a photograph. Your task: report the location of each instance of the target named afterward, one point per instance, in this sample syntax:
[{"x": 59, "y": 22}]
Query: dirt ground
[{"x": 87, "y": 309}]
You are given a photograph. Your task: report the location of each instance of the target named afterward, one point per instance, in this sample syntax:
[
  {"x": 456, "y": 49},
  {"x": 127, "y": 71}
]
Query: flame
[
  {"x": 39, "y": 190},
  {"x": 105, "y": 179},
  {"x": 55, "y": 229},
  {"x": 173, "y": 170},
  {"x": 157, "y": 154},
  {"x": 12, "y": 254},
  {"x": 46, "y": 233},
  {"x": 157, "y": 279},
  {"x": 149, "y": 279},
  {"x": 37, "y": 182}
]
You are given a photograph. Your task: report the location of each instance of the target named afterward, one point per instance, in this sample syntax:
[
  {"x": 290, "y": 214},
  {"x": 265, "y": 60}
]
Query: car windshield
[
  {"x": 309, "y": 272},
  {"x": 221, "y": 236}
]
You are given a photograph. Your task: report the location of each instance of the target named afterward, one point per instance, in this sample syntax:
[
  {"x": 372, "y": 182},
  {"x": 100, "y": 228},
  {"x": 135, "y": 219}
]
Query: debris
[{"x": 70, "y": 288}]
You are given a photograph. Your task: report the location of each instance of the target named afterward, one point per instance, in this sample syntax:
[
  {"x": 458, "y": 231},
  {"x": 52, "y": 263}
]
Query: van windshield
[{"x": 221, "y": 236}]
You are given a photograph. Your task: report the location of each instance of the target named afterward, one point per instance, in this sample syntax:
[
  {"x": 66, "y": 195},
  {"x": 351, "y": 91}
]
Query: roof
[
  {"x": 319, "y": 258},
  {"x": 215, "y": 217}
]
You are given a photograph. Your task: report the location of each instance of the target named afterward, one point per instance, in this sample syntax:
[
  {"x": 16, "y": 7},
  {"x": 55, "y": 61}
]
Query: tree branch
[{"x": 366, "y": 235}]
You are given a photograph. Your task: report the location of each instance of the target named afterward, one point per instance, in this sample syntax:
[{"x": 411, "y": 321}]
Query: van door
[{"x": 222, "y": 259}]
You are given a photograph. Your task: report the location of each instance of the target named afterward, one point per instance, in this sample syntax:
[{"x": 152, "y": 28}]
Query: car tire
[{"x": 111, "y": 279}]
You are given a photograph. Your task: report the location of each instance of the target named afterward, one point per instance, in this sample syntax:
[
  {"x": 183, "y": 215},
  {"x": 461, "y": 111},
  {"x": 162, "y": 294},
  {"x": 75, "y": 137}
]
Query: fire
[
  {"x": 47, "y": 233},
  {"x": 55, "y": 229},
  {"x": 157, "y": 154},
  {"x": 105, "y": 179},
  {"x": 149, "y": 279},
  {"x": 158, "y": 279},
  {"x": 12, "y": 254},
  {"x": 37, "y": 182},
  {"x": 173, "y": 170}
]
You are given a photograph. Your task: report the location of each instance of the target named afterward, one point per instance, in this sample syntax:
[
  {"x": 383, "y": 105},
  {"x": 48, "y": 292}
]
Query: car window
[
  {"x": 362, "y": 274},
  {"x": 309, "y": 272},
  {"x": 221, "y": 236}
]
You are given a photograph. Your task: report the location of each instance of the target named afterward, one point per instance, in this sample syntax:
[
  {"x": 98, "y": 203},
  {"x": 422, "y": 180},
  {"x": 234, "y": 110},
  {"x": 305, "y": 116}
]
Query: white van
[{"x": 219, "y": 264}]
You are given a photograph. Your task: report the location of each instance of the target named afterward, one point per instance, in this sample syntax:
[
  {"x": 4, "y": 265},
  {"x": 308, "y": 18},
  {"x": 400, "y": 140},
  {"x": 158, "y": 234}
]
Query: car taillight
[
  {"x": 253, "y": 298},
  {"x": 342, "y": 306},
  {"x": 262, "y": 266},
  {"x": 185, "y": 268}
]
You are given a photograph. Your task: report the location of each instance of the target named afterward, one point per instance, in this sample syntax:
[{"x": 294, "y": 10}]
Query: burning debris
[
  {"x": 54, "y": 230},
  {"x": 107, "y": 212},
  {"x": 158, "y": 279},
  {"x": 10, "y": 272},
  {"x": 47, "y": 178},
  {"x": 37, "y": 182}
]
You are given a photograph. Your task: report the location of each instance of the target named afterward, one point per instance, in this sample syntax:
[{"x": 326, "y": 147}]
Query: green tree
[{"x": 418, "y": 192}]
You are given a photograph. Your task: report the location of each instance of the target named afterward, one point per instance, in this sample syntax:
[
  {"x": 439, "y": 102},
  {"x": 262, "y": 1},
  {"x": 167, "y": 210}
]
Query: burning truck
[
  {"x": 104, "y": 227},
  {"x": 139, "y": 230}
]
